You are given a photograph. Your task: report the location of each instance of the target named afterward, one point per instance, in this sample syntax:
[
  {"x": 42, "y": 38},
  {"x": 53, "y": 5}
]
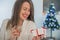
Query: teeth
[{"x": 25, "y": 15}]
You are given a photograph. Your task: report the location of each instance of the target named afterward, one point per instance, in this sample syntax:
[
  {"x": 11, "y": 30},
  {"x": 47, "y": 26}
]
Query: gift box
[{"x": 39, "y": 32}]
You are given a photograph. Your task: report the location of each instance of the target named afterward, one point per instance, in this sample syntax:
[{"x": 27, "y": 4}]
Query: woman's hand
[
  {"x": 14, "y": 34},
  {"x": 39, "y": 37}
]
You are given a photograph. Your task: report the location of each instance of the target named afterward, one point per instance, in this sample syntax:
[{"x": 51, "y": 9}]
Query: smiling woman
[
  {"x": 19, "y": 26},
  {"x": 23, "y": 13},
  {"x": 21, "y": 23}
]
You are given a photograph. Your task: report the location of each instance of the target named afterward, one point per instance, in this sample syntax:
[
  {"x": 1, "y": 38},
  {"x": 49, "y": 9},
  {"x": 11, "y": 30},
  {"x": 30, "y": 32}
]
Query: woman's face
[{"x": 25, "y": 11}]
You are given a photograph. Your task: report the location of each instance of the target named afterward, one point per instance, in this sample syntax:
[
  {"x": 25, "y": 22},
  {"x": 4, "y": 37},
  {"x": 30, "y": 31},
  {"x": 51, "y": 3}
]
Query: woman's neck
[{"x": 20, "y": 22}]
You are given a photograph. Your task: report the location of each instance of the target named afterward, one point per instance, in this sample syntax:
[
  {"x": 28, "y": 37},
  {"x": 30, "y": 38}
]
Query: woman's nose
[{"x": 27, "y": 12}]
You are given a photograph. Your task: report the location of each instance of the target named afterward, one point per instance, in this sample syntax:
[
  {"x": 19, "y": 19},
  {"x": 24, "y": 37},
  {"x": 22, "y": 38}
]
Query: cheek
[
  {"x": 29, "y": 13},
  {"x": 21, "y": 15}
]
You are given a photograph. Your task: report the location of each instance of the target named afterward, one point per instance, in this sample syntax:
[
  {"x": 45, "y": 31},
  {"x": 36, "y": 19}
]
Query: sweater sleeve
[{"x": 3, "y": 29}]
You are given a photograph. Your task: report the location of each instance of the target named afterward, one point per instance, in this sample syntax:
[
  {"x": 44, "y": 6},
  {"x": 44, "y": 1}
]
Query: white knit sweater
[{"x": 25, "y": 34}]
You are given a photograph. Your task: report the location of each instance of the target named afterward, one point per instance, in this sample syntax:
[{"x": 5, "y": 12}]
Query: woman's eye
[{"x": 25, "y": 8}]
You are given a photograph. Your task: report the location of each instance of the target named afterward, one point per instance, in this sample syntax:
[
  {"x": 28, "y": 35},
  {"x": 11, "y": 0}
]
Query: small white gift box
[{"x": 39, "y": 31}]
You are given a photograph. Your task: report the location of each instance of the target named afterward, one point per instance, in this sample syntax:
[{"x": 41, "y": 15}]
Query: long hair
[{"x": 16, "y": 10}]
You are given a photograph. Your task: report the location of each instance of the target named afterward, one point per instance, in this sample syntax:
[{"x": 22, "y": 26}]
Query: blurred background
[{"x": 46, "y": 4}]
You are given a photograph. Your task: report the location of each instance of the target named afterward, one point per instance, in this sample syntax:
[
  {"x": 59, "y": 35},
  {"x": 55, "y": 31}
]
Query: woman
[{"x": 21, "y": 23}]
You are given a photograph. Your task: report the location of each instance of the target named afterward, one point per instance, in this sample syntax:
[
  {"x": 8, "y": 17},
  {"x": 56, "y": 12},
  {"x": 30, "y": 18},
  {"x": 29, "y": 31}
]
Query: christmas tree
[{"x": 51, "y": 21}]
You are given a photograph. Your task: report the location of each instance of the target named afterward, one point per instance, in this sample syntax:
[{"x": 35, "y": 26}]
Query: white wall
[
  {"x": 5, "y": 9},
  {"x": 38, "y": 6}
]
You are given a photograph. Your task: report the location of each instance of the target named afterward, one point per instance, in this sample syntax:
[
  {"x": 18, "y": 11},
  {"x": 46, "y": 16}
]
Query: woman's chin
[{"x": 24, "y": 18}]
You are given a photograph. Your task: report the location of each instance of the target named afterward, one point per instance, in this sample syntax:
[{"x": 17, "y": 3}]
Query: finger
[
  {"x": 15, "y": 31},
  {"x": 16, "y": 34},
  {"x": 34, "y": 38},
  {"x": 42, "y": 36}
]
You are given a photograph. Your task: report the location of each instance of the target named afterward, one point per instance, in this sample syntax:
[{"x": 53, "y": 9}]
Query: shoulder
[
  {"x": 4, "y": 23},
  {"x": 31, "y": 24}
]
